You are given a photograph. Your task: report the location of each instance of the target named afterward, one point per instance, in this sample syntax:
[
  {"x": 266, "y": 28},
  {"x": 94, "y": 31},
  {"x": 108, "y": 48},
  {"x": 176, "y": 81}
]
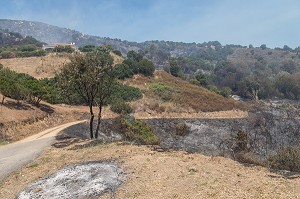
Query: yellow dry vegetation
[
  {"x": 153, "y": 174},
  {"x": 185, "y": 99},
  {"x": 38, "y": 67},
  {"x": 43, "y": 67}
]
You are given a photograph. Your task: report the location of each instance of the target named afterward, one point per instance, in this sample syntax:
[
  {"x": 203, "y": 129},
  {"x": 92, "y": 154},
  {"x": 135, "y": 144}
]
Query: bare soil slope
[{"x": 20, "y": 119}]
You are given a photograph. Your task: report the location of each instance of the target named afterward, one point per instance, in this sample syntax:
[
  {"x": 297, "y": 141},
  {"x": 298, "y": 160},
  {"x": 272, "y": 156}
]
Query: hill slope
[{"x": 167, "y": 96}]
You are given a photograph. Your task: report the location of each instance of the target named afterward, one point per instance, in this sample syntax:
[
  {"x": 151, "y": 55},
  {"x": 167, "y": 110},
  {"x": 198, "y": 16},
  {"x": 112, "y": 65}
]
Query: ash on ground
[{"x": 87, "y": 180}]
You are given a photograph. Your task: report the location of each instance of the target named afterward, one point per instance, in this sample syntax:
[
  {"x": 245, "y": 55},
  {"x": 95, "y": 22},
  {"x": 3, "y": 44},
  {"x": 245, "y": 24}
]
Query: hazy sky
[{"x": 271, "y": 22}]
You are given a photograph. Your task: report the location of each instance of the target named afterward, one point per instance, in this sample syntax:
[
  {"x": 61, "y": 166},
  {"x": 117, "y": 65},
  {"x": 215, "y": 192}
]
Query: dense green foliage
[
  {"x": 21, "y": 86},
  {"x": 134, "y": 64},
  {"x": 254, "y": 73},
  {"x": 124, "y": 92},
  {"x": 120, "y": 106},
  {"x": 138, "y": 131}
]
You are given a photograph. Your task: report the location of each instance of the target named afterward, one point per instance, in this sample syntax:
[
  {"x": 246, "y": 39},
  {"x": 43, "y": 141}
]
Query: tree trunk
[
  {"x": 3, "y": 98},
  {"x": 99, "y": 121},
  {"x": 91, "y": 121}
]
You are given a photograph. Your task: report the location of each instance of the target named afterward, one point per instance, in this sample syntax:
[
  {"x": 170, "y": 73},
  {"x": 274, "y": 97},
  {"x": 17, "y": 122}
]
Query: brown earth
[
  {"x": 43, "y": 67},
  {"x": 20, "y": 119},
  {"x": 153, "y": 174},
  {"x": 38, "y": 67}
]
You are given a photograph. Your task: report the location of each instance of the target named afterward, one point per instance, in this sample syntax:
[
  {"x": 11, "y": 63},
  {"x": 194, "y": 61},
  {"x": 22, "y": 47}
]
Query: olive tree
[{"x": 90, "y": 75}]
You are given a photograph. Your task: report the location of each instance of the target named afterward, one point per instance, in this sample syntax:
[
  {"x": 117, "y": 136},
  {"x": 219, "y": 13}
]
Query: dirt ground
[{"x": 153, "y": 174}]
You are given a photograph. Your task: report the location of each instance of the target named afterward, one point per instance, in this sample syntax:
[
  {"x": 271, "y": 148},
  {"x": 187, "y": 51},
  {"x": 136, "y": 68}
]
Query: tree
[
  {"x": 122, "y": 71},
  {"x": 104, "y": 91},
  {"x": 137, "y": 64},
  {"x": 263, "y": 46},
  {"x": 36, "y": 90},
  {"x": 287, "y": 48},
  {"x": 89, "y": 75},
  {"x": 249, "y": 88},
  {"x": 134, "y": 56},
  {"x": 10, "y": 85},
  {"x": 174, "y": 68},
  {"x": 289, "y": 85},
  {"x": 146, "y": 67},
  {"x": 202, "y": 79}
]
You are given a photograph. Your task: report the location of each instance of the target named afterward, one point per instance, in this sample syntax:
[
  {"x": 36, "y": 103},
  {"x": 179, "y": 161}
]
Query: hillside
[
  {"x": 38, "y": 67},
  {"x": 192, "y": 56},
  {"x": 168, "y": 96}
]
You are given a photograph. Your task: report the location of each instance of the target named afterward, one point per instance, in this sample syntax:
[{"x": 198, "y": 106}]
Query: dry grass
[
  {"x": 117, "y": 59},
  {"x": 42, "y": 67},
  {"x": 152, "y": 174},
  {"x": 38, "y": 67},
  {"x": 20, "y": 120},
  {"x": 185, "y": 98}
]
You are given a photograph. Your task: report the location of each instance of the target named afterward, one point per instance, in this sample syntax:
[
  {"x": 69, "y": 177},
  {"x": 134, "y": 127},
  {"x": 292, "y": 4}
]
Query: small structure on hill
[{"x": 52, "y": 46}]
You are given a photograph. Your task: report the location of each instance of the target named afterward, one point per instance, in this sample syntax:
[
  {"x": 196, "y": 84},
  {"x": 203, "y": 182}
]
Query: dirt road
[{"x": 16, "y": 155}]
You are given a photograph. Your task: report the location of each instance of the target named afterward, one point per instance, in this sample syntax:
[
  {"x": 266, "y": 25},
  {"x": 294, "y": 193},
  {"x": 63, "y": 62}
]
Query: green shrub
[
  {"x": 138, "y": 131},
  {"x": 226, "y": 92},
  {"x": 7, "y": 54},
  {"x": 87, "y": 48},
  {"x": 146, "y": 67},
  {"x": 27, "y": 48},
  {"x": 124, "y": 92},
  {"x": 119, "y": 106},
  {"x": 162, "y": 90},
  {"x": 286, "y": 158},
  {"x": 122, "y": 71}
]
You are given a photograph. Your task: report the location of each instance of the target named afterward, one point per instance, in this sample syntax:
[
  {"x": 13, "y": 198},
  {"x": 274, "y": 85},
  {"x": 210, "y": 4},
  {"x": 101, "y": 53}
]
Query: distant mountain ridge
[
  {"x": 190, "y": 56},
  {"x": 158, "y": 51},
  {"x": 40, "y": 31},
  {"x": 53, "y": 34}
]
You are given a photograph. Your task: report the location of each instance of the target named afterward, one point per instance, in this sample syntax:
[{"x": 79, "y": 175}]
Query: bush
[
  {"x": 162, "y": 90},
  {"x": 226, "y": 92},
  {"x": 124, "y": 92},
  {"x": 241, "y": 141},
  {"x": 119, "y": 106},
  {"x": 122, "y": 71},
  {"x": 138, "y": 131},
  {"x": 7, "y": 54},
  {"x": 27, "y": 48},
  {"x": 146, "y": 67},
  {"x": 182, "y": 129},
  {"x": 87, "y": 48},
  {"x": 286, "y": 158},
  {"x": 156, "y": 107}
]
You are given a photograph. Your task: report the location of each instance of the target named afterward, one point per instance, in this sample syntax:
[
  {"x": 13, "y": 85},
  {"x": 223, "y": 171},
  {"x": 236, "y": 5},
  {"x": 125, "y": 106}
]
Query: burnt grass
[{"x": 265, "y": 132}]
